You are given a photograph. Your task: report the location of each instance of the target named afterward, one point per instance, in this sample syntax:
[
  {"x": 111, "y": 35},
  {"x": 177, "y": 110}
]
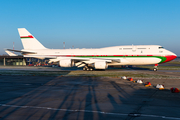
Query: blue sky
[{"x": 91, "y": 23}]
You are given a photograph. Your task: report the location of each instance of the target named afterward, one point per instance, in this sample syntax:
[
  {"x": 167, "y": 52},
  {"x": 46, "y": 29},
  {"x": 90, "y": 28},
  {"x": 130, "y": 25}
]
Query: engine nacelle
[
  {"x": 66, "y": 63},
  {"x": 100, "y": 65}
]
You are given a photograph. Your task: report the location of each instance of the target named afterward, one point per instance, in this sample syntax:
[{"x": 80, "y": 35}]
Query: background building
[
  {"x": 6, "y": 60},
  {"x": 12, "y": 60}
]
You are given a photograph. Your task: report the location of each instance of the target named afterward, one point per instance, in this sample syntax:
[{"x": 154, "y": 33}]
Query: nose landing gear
[{"x": 155, "y": 67}]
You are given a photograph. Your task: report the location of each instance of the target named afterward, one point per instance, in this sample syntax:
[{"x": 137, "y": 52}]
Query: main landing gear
[
  {"x": 87, "y": 68},
  {"x": 155, "y": 67}
]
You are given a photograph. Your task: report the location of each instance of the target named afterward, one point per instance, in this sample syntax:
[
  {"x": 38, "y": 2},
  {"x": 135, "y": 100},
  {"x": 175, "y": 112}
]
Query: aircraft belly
[
  {"x": 136, "y": 61},
  {"x": 144, "y": 61}
]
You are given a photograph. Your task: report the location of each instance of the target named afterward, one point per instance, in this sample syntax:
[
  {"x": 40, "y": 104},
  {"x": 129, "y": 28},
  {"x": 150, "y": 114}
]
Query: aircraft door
[
  {"x": 124, "y": 54},
  {"x": 134, "y": 48}
]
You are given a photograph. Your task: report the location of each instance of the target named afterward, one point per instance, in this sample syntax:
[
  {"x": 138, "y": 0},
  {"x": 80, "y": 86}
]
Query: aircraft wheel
[
  {"x": 87, "y": 69},
  {"x": 155, "y": 69},
  {"x": 91, "y": 69},
  {"x": 84, "y": 69}
]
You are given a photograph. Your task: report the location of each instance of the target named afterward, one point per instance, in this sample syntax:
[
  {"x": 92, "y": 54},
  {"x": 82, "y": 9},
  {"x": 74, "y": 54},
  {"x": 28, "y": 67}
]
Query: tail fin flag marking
[
  {"x": 29, "y": 41},
  {"x": 29, "y": 36}
]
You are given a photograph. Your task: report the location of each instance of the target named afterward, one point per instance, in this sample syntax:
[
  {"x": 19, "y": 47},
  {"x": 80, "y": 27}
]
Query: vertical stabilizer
[{"x": 28, "y": 40}]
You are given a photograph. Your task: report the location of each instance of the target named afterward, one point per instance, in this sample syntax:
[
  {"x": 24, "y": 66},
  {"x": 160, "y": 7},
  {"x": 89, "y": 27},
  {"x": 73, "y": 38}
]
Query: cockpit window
[{"x": 161, "y": 47}]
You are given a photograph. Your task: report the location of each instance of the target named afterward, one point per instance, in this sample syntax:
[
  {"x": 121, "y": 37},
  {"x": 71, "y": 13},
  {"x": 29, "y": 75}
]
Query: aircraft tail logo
[
  {"x": 29, "y": 36},
  {"x": 29, "y": 41}
]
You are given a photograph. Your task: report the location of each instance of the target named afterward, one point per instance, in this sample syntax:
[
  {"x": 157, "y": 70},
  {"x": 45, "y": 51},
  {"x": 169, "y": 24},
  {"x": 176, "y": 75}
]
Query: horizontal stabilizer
[
  {"x": 22, "y": 51},
  {"x": 10, "y": 53}
]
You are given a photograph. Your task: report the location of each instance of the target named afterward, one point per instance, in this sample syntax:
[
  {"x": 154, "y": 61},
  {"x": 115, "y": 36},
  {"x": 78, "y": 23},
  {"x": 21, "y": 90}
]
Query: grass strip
[{"x": 133, "y": 74}]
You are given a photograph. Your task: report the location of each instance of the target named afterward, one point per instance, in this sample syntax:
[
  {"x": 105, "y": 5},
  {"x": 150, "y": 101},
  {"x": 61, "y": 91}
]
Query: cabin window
[
  {"x": 127, "y": 48},
  {"x": 160, "y": 51},
  {"x": 141, "y": 48},
  {"x": 120, "y": 48}
]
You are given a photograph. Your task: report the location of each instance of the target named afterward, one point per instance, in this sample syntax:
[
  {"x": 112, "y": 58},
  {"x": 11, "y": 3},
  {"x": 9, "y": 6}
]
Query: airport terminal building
[
  {"x": 12, "y": 60},
  {"x": 6, "y": 60}
]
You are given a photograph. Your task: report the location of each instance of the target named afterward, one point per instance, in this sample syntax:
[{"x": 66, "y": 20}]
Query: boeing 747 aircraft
[{"x": 99, "y": 58}]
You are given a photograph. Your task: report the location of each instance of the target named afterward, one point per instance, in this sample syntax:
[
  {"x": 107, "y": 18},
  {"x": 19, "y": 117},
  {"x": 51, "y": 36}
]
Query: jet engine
[
  {"x": 66, "y": 63},
  {"x": 100, "y": 65}
]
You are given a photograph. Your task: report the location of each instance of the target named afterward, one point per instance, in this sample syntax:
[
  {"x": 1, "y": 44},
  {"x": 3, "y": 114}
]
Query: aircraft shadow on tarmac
[
  {"x": 129, "y": 68},
  {"x": 86, "y": 98},
  {"x": 109, "y": 68}
]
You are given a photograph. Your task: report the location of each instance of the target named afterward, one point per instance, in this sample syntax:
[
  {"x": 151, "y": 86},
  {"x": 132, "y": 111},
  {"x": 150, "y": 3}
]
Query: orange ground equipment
[
  {"x": 130, "y": 79},
  {"x": 174, "y": 90},
  {"x": 147, "y": 84}
]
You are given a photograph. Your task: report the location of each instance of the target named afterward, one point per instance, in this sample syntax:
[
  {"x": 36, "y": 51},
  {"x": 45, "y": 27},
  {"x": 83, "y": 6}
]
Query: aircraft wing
[
  {"x": 41, "y": 56},
  {"x": 80, "y": 62},
  {"x": 92, "y": 61},
  {"x": 87, "y": 59}
]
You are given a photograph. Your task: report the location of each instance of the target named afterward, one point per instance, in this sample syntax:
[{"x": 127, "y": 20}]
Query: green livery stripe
[
  {"x": 24, "y": 37},
  {"x": 103, "y": 56},
  {"x": 162, "y": 59}
]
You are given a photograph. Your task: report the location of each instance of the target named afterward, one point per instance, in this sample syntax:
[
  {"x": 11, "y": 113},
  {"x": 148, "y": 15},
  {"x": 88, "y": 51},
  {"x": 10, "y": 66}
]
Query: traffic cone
[
  {"x": 140, "y": 81},
  {"x": 147, "y": 84},
  {"x": 174, "y": 90},
  {"x": 130, "y": 79},
  {"x": 124, "y": 78},
  {"x": 160, "y": 87}
]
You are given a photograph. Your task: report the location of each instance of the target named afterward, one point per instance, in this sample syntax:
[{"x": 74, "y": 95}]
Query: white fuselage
[
  {"x": 94, "y": 58},
  {"x": 127, "y": 55}
]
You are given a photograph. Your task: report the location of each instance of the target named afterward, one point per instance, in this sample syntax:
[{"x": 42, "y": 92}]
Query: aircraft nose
[
  {"x": 170, "y": 57},
  {"x": 173, "y": 54}
]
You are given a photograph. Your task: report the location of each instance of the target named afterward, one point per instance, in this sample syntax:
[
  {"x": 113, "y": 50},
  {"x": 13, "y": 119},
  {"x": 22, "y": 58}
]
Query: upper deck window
[
  {"x": 127, "y": 48},
  {"x": 161, "y": 47},
  {"x": 141, "y": 48}
]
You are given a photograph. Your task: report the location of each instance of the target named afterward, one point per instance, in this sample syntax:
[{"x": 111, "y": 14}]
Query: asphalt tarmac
[{"x": 86, "y": 98}]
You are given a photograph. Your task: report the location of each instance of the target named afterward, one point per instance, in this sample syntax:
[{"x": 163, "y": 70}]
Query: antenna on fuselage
[
  {"x": 13, "y": 47},
  {"x": 63, "y": 45}
]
